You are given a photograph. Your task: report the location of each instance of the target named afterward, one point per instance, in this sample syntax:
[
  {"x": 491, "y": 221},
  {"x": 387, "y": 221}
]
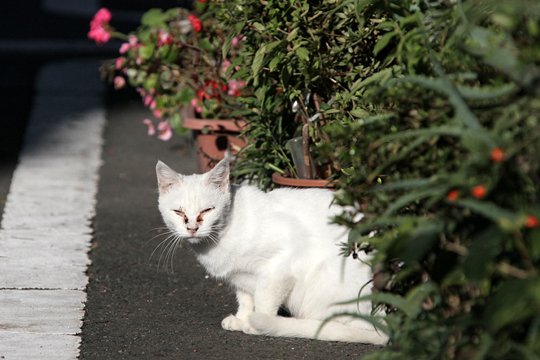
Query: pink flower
[
  {"x": 119, "y": 82},
  {"x": 164, "y": 38},
  {"x": 102, "y": 16},
  {"x": 100, "y": 35},
  {"x": 99, "y": 27},
  {"x": 235, "y": 86},
  {"x": 151, "y": 128},
  {"x": 225, "y": 66},
  {"x": 153, "y": 104},
  {"x": 133, "y": 40},
  {"x": 158, "y": 113},
  {"x": 235, "y": 42},
  {"x": 124, "y": 48},
  {"x": 164, "y": 131},
  {"x": 147, "y": 100},
  {"x": 196, "y": 105},
  {"x": 195, "y": 23},
  {"x": 119, "y": 62}
]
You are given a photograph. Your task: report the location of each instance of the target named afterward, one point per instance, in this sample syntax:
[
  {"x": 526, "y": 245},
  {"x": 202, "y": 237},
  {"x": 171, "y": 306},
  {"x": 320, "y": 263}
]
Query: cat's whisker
[
  {"x": 164, "y": 252},
  {"x": 164, "y": 227},
  {"x": 176, "y": 246},
  {"x": 171, "y": 235},
  {"x": 159, "y": 235},
  {"x": 165, "y": 249},
  {"x": 172, "y": 251}
]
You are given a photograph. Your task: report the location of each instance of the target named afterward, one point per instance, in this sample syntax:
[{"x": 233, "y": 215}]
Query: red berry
[
  {"x": 497, "y": 155},
  {"x": 531, "y": 221},
  {"x": 479, "y": 191},
  {"x": 452, "y": 195}
]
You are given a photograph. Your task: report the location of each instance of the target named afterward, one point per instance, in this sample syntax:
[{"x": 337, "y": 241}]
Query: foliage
[
  {"x": 296, "y": 56},
  {"x": 440, "y": 152},
  {"x": 174, "y": 59}
]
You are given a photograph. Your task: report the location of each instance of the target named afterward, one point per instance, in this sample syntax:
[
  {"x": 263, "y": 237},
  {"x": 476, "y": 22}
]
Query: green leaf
[
  {"x": 487, "y": 93},
  {"x": 414, "y": 196},
  {"x": 258, "y": 61},
  {"x": 302, "y": 53},
  {"x": 444, "y": 86},
  {"x": 226, "y": 47},
  {"x": 154, "y": 18},
  {"x": 383, "y": 42},
  {"x": 514, "y": 301},
  {"x": 505, "y": 219},
  {"x": 274, "y": 62},
  {"x": 292, "y": 34},
  {"x": 405, "y": 184},
  {"x": 378, "y": 77},
  {"x": 482, "y": 251},
  {"x": 260, "y": 27},
  {"x": 359, "y": 113},
  {"x": 146, "y": 51}
]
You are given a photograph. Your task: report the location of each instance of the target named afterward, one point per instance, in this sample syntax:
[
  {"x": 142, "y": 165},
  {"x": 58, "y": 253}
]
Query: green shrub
[{"x": 443, "y": 161}]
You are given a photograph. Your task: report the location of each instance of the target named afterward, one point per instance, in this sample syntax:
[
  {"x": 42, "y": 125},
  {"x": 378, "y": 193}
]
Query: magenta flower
[
  {"x": 100, "y": 35},
  {"x": 225, "y": 66},
  {"x": 124, "y": 48},
  {"x": 119, "y": 62},
  {"x": 119, "y": 82},
  {"x": 235, "y": 42},
  {"x": 133, "y": 40},
  {"x": 99, "y": 27},
  {"x": 102, "y": 16},
  {"x": 151, "y": 129},
  {"x": 147, "y": 100},
  {"x": 196, "y": 105},
  {"x": 164, "y": 130},
  {"x": 158, "y": 113},
  {"x": 235, "y": 86}
]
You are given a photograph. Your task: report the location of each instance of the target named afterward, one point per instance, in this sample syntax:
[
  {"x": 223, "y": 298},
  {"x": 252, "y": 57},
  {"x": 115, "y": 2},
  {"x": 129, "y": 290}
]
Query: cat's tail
[{"x": 305, "y": 328}]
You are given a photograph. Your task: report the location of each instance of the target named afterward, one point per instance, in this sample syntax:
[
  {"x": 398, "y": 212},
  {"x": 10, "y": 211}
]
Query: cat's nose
[{"x": 193, "y": 230}]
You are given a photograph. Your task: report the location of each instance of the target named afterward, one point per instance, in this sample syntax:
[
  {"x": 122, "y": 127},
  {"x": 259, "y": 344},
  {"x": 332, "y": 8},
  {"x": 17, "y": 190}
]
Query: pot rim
[{"x": 295, "y": 182}]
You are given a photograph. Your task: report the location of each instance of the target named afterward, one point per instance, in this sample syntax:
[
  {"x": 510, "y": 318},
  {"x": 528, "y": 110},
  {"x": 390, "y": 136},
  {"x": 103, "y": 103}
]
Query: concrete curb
[{"x": 46, "y": 227}]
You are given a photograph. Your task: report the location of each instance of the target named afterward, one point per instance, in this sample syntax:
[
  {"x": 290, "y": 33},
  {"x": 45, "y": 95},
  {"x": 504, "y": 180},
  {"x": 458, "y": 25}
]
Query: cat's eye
[
  {"x": 181, "y": 214},
  {"x": 201, "y": 214}
]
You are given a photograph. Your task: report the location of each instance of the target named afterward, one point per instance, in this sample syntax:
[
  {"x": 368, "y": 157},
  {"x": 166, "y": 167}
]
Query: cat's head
[{"x": 192, "y": 205}]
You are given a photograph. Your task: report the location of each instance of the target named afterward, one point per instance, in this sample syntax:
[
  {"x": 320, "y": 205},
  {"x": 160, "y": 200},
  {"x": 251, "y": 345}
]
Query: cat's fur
[{"x": 276, "y": 248}]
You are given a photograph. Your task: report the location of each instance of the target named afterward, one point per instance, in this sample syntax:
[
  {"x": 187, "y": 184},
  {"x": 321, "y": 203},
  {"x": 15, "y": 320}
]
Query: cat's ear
[
  {"x": 219, "y": 175},
  {"x": 166, "y": 177}
]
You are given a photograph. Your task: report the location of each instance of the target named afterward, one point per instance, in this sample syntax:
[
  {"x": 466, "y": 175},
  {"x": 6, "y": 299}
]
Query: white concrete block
[
  {"x": 27, "y": 346},
  {"x": 41, "y": 311}
]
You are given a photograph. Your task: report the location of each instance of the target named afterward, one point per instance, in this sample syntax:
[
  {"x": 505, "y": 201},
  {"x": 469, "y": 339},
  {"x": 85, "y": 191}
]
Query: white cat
[{"x": 276, "y": 248}]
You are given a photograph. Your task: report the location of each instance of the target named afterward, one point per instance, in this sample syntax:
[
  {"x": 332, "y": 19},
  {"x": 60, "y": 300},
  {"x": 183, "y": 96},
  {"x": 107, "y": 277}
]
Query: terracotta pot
[
  {"x": 213, "y": 137},
  {"x": 294, "y": 182}
]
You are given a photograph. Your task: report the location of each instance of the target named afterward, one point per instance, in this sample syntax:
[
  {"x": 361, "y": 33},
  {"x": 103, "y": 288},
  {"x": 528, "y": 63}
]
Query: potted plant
[
  {"x": 297, "y": 58},
  {"x": 174, "y": 60}
]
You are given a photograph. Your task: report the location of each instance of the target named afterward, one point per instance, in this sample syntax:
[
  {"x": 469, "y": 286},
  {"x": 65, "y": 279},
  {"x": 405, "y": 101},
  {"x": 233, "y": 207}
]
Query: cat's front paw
[{"x": 232, "y": 323}]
